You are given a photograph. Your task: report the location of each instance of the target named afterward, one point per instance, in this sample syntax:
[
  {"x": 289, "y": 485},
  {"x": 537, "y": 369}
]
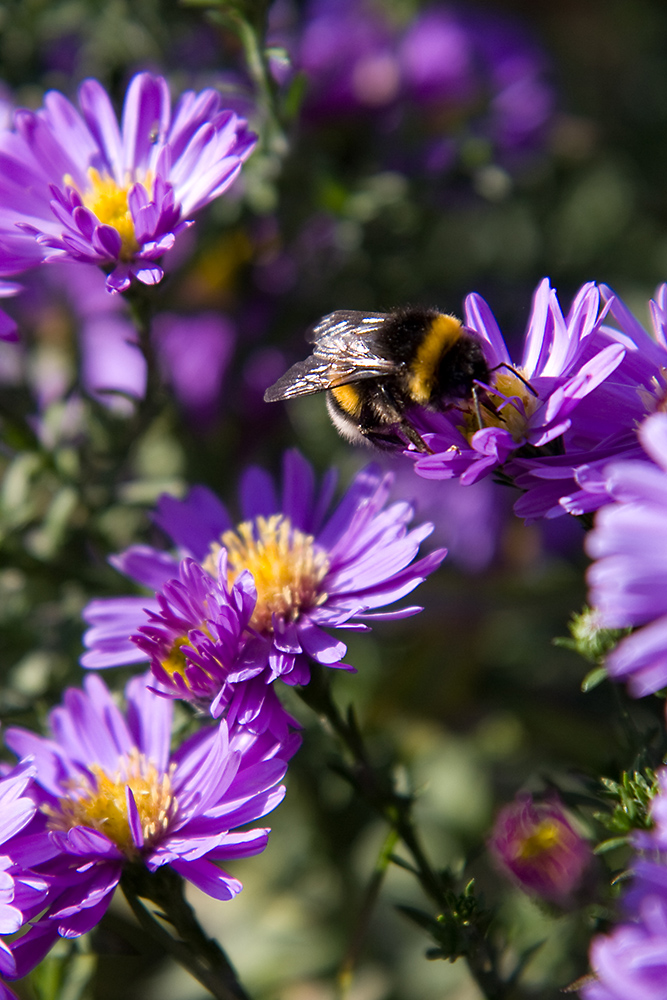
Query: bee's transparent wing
[
  {"x": 344, "y": 322},
  {"x": 316, "y": 374},
  {"x": 345, "y": 351}
]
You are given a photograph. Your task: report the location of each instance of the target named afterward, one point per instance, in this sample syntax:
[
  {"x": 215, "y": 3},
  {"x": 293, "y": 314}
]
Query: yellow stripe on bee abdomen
[
  {"x": 348, "y": 399},
  {"x": 442, "y": 334}
]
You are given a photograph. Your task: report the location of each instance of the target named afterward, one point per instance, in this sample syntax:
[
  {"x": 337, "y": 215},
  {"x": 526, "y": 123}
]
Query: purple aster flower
[
  {"x": 604, "y": 424},
  {"x": 21, "y": 891},
  {"x": 110, "y": 792},
  {"x": 565, "y": 358},
  {"x": 312, "y": 570},
  {"x": 628, "y": 581},
  {"x": 535, "y": 844},
  {"x": 201, "y": 647},
  {"x": 90, "y": 191}
]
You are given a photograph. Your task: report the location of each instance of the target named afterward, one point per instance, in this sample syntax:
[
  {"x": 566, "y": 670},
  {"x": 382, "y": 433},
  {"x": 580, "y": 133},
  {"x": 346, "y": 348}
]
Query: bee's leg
[
  {"x": 393, "y": 412},
  {"x": 414, "y": 437},
  {"x": 379, "y": 422},
  {"x": 477, "y": 408},
  {"x": 383, "y": 439},
  {"x": 503, "y": 364},
  {"x": 389, "y": 440}
]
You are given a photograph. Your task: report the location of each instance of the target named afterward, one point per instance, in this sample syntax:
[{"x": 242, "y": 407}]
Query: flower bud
[{"x": 535, "y": 844}]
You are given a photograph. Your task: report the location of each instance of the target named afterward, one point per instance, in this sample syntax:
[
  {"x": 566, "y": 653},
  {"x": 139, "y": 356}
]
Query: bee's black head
[{"x": 459, "y": 368}]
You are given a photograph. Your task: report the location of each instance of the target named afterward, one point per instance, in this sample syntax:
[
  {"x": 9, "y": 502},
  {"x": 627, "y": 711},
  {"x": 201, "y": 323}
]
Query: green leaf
[
  {"x": 420, "y": 918},
  {"x": 610, "y": 845},
  {"x": 593, "y": 678}
]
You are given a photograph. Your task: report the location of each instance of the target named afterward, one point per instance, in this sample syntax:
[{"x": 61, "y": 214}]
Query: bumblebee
[{"x": 375, "y": 367}]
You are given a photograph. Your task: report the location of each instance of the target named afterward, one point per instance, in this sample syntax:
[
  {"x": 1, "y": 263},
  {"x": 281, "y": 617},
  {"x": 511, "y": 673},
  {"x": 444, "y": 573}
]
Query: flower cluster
[
  {"x": 236, "y": 609},
  {"x": 247, "y": 604},
  {"x": 75, "y": 186}
]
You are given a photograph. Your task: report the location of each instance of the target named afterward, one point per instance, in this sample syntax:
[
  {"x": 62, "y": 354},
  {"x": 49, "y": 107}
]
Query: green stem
[
  {"x": 142, "y": 309},
  {"x": 371, "y": 894},
  {"x": 397, "y": 811},
  {"x": 274, "y": 140},
  {"x": 200, "y": 955}
]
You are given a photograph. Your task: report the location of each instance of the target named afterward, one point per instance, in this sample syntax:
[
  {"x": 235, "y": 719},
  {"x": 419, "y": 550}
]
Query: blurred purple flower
[
  {"x": 449, "y": 74},
  {"x": 91, "y": 192},
  {"x": 631, "y": 962},
  {"x": 478, "y": 64},
  {"x": 467, "y": 520},
  {"x": 535, "y": 844},
  {"x": 628, "y": 581},
  {"x": 112, "y": 366},
  {"x": 346, "y": 48},
  {"x": 564, "y": 359},
  {"x": 514, "y": 69},
  {"x": 8, "y": 326},
  {"x": 312, "y": 571},
  {"x": 18, "y": 253},
  {"x": 437, "y": 58},
  {"x": 194, "y": 352},
  {"x": 111, "y": 792}
]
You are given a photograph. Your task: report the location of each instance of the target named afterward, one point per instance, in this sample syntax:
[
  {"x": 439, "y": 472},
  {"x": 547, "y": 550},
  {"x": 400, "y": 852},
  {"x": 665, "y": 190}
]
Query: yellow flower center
[
  {"x": 175, "y": 662},
  {"x": 544, "y": 838},
  {"x": 514, "y": 405},
  {"x": 100, "y": 802},
  {"x": 287, "y": 567},
  {"x": 108, "y": 201}
]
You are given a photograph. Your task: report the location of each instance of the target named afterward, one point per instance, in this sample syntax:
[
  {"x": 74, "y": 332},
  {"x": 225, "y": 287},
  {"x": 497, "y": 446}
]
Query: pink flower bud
[{"x": 538, "y": 848}]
